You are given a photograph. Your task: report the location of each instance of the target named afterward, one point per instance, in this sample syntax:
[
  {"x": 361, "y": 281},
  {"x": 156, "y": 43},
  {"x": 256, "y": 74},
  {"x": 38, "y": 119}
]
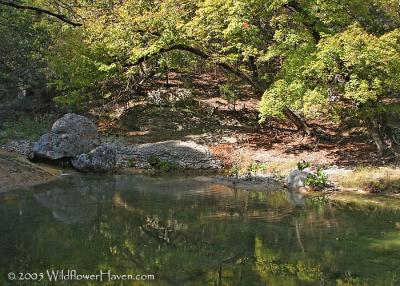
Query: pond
[{"x": 190, "y": 231}]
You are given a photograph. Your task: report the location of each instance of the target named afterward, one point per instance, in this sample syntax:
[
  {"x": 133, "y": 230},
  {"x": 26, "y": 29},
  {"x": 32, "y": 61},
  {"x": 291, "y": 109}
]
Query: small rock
[
  {"x": 100, "y": 159},
  {"x": 166, "y": 97},
  {"x": 296, "y": 180},
  {"x": 230, "y": 140},
  {"x": 22, "y": 147}
]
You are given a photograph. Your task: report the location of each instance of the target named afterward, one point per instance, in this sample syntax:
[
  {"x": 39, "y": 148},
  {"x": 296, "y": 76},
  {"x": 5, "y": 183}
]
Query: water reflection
[
  {"x": 193, "y": 231},
  {"x": 296, "y": 198},
  {"x": 74, "y": 200},
  {"x": 68, "y": 206}
]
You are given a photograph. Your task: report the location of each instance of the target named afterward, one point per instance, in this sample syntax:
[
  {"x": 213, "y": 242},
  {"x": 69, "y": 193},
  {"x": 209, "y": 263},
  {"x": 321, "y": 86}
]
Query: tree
[
  {"x": 352, "y": 72},
  {"x": 24, "y": 39},
  {"x": 307, "y": 58}
]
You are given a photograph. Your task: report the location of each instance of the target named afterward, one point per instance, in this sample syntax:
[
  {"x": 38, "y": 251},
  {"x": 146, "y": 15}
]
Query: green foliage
[
  {"x": 76, "y": 70},
  {"x": 24, "y": 38},
  {"x": 162, "y": 165},
  {"x": 234, "y": 171},
  {"x": 26, "y": 128},
  {"x": 74, "y": 101},
  {"x": 303, "y": 165},
  {"x": 358, "y": 66},
  {"x": 319, "y": 179},
  {"x": 351, "y": 70},
  {"x": 228, "y": 92},
  {"x": 258, "y": 167},
  {"x": 312, "y": 56},
  {"x": 253, "y": 168}
]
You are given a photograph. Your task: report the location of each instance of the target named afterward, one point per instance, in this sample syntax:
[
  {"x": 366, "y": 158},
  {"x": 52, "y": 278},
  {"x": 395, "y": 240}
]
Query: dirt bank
[{"x": 16, "y": 172}]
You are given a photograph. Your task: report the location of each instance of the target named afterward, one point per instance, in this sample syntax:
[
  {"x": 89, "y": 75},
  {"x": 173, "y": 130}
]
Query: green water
[{"x": 191, "y": 231}]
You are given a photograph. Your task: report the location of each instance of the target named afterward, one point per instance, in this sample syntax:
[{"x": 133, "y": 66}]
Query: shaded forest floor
[{"x": 233, "y": 132}]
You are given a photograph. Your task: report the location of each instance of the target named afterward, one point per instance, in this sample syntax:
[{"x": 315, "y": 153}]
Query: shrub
[
  {"x": 162, "y": 165},
  {"x": 318, "y": 179}
]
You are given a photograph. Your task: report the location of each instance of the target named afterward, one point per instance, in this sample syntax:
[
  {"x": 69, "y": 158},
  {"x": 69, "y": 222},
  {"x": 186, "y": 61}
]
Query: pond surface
[{"x": 192, "y": 231}]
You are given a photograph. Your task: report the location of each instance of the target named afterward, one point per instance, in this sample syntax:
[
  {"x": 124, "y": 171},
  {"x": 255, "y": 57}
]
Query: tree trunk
[
  {"x": 167, "y": 78},
  {"x": 373, "y": 128},
  {"x": 300, "y": 124},
  {"x": 253, "y": 68}
]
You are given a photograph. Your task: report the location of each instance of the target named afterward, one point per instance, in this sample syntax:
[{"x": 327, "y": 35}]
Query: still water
[{"x": 192, "y": 231}]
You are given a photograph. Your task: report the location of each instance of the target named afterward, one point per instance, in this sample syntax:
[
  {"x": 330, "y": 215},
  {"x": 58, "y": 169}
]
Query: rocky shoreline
[
  {"x": 18, "y": 172},
  {"x": 74, "y": 139}
]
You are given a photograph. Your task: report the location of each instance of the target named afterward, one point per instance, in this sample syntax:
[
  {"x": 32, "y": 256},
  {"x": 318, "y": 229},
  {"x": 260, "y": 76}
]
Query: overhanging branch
[
  {"x": 298, "y": 121},
  {"x": 198, "y": 52},
  {"x": 40, "y": 10}
]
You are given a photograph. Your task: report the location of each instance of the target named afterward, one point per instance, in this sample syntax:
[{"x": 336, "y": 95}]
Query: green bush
[
  {"x": 317, "y": 180},
  {"x": 234, "y": 171},
  {"x": 161, "y": 165}
]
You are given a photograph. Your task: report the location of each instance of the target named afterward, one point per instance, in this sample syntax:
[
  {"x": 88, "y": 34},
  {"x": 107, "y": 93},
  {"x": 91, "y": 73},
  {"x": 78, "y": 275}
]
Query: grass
[
  {"x": 245, "y": 166},
  {"x": 364, "y": 202},
  {"x": 253, "y": 167},
  {"x": 30, "y": 128},
  {"x": 373, "y": 179}
]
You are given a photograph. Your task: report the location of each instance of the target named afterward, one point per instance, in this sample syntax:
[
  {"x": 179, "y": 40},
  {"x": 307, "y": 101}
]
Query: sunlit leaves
[{"x": 346, "y": 70}]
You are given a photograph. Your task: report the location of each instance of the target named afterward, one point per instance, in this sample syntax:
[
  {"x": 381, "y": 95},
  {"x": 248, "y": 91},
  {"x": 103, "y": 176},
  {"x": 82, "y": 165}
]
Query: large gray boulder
[
  {"x": 70, "y": 136},
  {"x": 188, "y": 155},
  {"x": 296, "y": 181},
  {"x": 72, "y": 123},
  {"x": 100, "y": 159}
]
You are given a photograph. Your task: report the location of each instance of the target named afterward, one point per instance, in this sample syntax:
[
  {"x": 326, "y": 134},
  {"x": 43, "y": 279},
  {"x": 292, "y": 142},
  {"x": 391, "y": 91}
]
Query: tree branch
[
  {"x": 200, "y": 53},
  {"x": 40, "y": 10}
]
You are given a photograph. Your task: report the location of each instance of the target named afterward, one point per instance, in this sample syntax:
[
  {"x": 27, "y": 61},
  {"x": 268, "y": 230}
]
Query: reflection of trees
[
  {"x": 210, "y": 234},
  {"x": 193, "y": 250}
]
